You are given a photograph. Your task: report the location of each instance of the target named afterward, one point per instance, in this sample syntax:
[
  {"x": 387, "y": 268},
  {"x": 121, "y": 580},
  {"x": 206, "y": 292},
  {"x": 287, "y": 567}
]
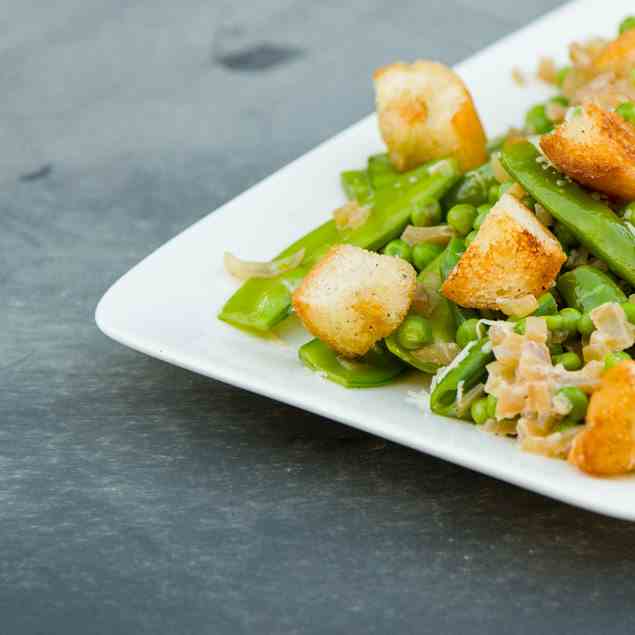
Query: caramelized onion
[
  {"x": 245, "y": 269},
  {"x": 518, "y": 307},
  {"x": 441, "y": 353},
  {"x": 438, "y": 234},
  {"x": 351, "y": 216}
]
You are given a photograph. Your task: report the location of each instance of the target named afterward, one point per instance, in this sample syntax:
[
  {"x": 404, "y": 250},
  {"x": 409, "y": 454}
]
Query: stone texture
[{"x": 139, "y": 498}]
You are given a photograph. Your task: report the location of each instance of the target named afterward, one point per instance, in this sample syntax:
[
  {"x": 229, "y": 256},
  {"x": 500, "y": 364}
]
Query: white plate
[{"x": 166, "y": 305}]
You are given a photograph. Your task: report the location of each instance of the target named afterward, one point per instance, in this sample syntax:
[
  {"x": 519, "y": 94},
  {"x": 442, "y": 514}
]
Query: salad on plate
[{"x": 504, "y": 270}]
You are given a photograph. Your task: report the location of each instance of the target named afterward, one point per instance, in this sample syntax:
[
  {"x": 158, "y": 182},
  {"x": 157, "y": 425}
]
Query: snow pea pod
[
  {"x": 356, "y": 185},
  {"x": 468, "y": 372},
  {"x": 261, "y": 303},
  {"x": 593, "y": 223},
  {"x": 473, "y": 188},
  {"x": 381, "y": 171},
  {"x": 586, "y": 287},
  {"x": 376, "y": 368}
]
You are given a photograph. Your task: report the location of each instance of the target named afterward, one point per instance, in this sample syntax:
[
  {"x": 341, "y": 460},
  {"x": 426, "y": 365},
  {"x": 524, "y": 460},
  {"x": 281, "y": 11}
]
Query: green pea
[
  {"x": 424, "y": 253},
  {"x": 427, "y": 215},
  {"x": 570, "y": 361},
  {"x": 492, "y": 402},
  {"x": 481, "y": 212},
  {"x": 626, "y": 110},
  {"x": 479, "y": 411},
  {"x": 585, "y": 325},
  {"x": 613, "y": 359},
  {"x": 627, "y": 24},
  {"x": 561, "y": 75},
  {"x": 494, "y": 194},
  {"x": 628, "y": 213},
  {"x": 467, "y": 332},
  {"x": 570, "y": 318},
  {"x": 461, "y": 218},
  {"x": 470, "y": 237},
  {"x": 554, "y": 322},
  {"x": 398, "y": 248},
  {"x": 536, "y": 120},
  {"x": 578, "y": 400},
  {"x": 415, "y": 331},
  {"x": 565, "y": 236}
]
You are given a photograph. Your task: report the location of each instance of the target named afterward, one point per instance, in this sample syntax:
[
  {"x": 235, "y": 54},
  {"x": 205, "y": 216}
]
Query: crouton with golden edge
[
  {"x": 513, "y": 255},
  {"x": 353, "y": 298},
  {"x": 595, "y": 148},
  {"x": 425, "y": 112},
  {"x": 606, "y": 445},
  {"x": 618, "y": 56}
]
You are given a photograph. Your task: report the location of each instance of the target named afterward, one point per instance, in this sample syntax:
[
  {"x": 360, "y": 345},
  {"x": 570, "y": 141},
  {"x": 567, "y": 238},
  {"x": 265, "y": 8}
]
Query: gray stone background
[{"x": 139, "y": 498}]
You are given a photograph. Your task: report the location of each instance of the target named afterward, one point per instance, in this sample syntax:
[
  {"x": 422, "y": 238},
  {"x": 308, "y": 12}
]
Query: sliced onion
[
  {"x": 427, "y": 295},
  {"x": 465, "y": 400},
  {"x": 439, "y": 235},
  {"x": 500, "y": 173},
  {"x": 245, "y": 269},
  {"x": 518, "y": 76},
  {"x": 351, "y": 216},
  {"x": 518, "y": 307},
  {"x": 441, "y": 353},
  {"x": 547, "y": 70}
]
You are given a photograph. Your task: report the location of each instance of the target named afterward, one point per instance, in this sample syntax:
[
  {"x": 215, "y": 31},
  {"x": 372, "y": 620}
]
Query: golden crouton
[
  {"x": 607, "y": 444},
  {"x": 513, "y": 255},
  {"x": 617, "y": 57},
  {"x": 426, "y": 112},
  {"x": 597, "y": 149},
  {"x": 352, "y": 298}
]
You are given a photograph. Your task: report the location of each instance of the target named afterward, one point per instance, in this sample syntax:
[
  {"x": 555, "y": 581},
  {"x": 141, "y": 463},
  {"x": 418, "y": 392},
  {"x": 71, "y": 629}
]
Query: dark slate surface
[{"x": 139, "y": 498}]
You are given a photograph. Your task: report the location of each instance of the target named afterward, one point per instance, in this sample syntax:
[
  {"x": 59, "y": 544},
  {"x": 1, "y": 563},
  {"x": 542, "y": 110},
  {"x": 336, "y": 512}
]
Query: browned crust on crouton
[
  {"x": 597, "y": 151},
  {"x": 371, "y": 318},
  {"x": 606, "y": 446},
  {"x": 411, "y": 134},
  {"x": 506, "y": 260}
]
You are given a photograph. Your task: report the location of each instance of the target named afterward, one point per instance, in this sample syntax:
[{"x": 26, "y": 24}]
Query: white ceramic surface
[{"x": 166, "y": 305}]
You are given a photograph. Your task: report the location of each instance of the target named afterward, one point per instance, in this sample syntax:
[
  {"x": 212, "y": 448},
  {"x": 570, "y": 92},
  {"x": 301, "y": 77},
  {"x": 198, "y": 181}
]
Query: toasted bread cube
[
  {"x": 426, "y": 112},
  {"x": 353, "y": 298},
  {"x": 617, "y": 57},
  {"x": 607, "y": 444},
  {"x": 513, "y": 255},
  {"x": 595, "y": 148}
]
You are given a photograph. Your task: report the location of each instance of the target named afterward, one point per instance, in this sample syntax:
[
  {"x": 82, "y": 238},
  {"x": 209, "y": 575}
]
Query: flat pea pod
[
  {"x": 376, "y": 368},
  {"x": 585, "y": 288},
  {"x": 261, "y": 303},
  {"x": 356, "y": 185},
  {"x": 472, "y": 189},
  {"x": 592, "y": 222},
  {"x": 469, "y": 371},
  {"x": 381, "y": 171}
]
